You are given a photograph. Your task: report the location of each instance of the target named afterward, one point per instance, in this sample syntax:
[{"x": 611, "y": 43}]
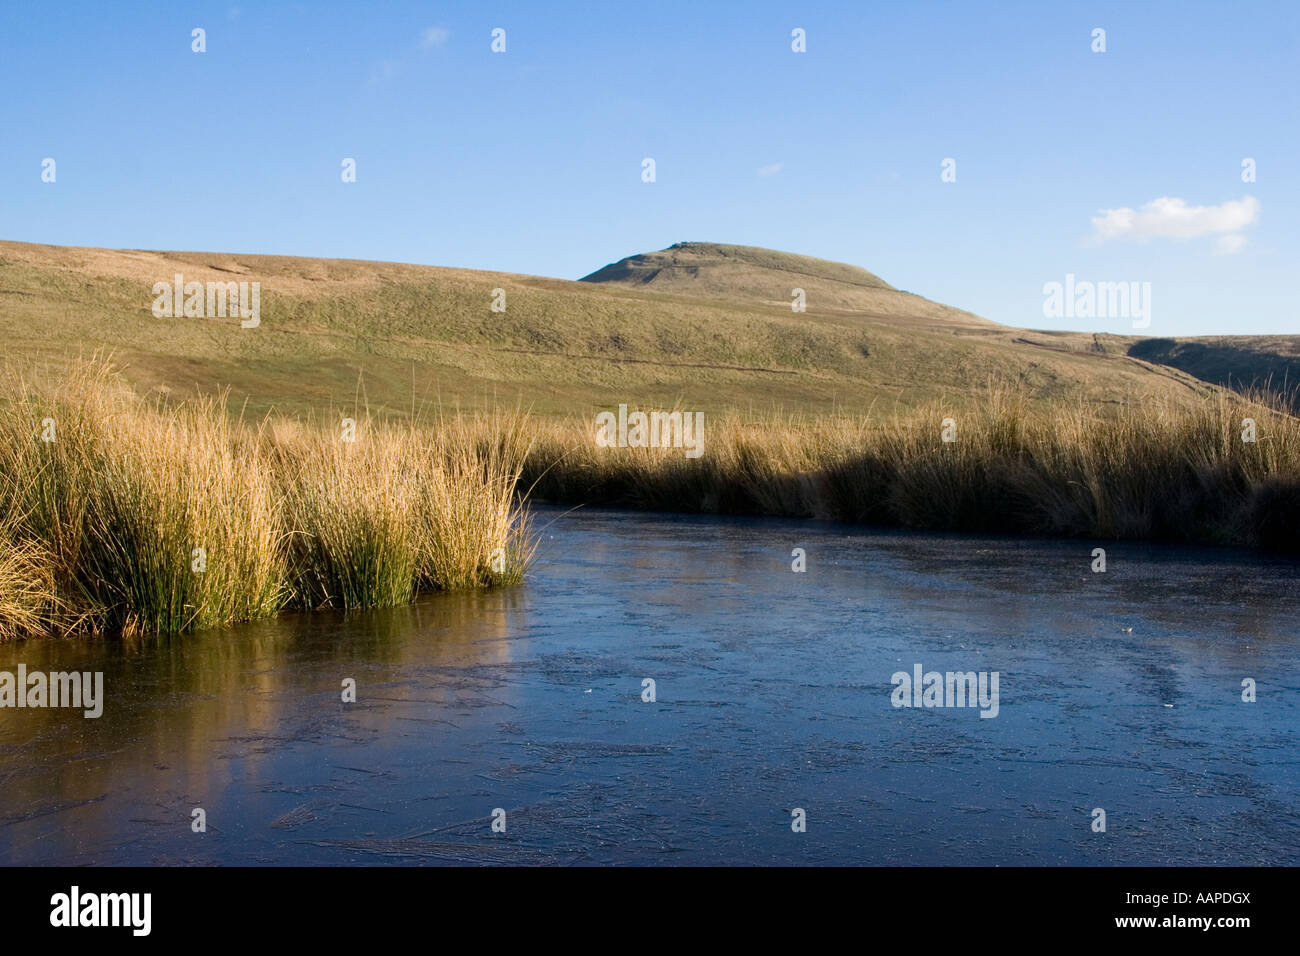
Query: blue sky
[{"x": 530, "y": 160}]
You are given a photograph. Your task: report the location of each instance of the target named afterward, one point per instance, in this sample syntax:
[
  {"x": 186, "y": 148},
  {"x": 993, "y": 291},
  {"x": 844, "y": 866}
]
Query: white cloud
[
  {"x": 1229, "y": 244},
  {"x": 771, "y": 169},
  {"x": 1172, "y": 218},
  {"x": 432, "y": 37}
]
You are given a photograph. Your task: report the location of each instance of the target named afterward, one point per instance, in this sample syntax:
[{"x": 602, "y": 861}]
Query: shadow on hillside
[{"x": 1233, "y": 367}]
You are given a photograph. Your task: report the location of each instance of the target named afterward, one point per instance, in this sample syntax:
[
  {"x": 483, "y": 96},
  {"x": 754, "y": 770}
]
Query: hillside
[
  {"x": 706, "y": 326},
  {"x": 1240, "y": 362}
]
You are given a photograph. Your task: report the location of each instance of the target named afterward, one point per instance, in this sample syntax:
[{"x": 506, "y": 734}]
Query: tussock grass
[
  {"x": 1147, "y": 469},
  {"x": 473, "y": 534},
  {"x": 99, "y": 529},
  {"x": 139, "y": 517},
  {"x": 28, "y": 604},
  {"x": 403, "y": 508}
]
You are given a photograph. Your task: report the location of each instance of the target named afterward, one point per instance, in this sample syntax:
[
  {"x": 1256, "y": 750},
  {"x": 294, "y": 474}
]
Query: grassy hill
[
  {"x": 706, "y": 326},
  {"x": 763, "y": 277}
]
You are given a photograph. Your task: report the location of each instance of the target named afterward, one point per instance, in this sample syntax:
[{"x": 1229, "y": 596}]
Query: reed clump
[
  {"x": 1139, "y": 470},
  {"x": 28, "y": 603},
  {"x": 120, "y": 515},
  {"x": 399, "y": 508}
]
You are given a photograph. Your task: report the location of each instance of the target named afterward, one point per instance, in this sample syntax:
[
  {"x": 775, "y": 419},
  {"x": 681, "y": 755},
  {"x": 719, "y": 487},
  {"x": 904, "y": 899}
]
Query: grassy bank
[
  {"x": 118, "y": 515},
  {"x": 139, "y": 517},
  {"x": 1146, "y": 470}
]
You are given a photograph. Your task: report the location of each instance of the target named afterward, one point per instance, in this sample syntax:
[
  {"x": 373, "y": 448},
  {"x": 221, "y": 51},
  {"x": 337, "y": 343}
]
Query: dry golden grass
[
  {"x": 1148, "y": 469},
  {"x": 100, "y": 527},
  {"x": 402, "y": 508},
  {"x": 139, "y": 517},
  {"x": 27, "y": 596}
]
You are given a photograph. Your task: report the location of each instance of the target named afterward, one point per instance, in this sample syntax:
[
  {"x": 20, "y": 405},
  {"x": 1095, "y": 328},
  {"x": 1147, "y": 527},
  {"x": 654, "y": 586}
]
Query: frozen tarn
[{"x": 769, "y": 735}]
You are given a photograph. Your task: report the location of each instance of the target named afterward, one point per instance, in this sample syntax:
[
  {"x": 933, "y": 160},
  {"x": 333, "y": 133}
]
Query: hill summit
[{"x": 751, "y": 275}]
